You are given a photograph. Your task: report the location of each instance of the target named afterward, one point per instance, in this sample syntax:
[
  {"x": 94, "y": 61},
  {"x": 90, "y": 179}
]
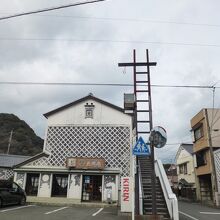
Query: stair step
[
  {"x": 160, "y": 204},
  {"x": 149, "y": 196},
  {"x": 147, "y": 189},
  {"x": 165, "y": 216},
  {"x": 146, "y": 181},
  {"x": 163, "y": 210},
  {"x": 147, "y": 193},
  {"x": 141, "y": 72},
  {"x": 147, "y": 184},
  {"x": 142, "y": 100}
]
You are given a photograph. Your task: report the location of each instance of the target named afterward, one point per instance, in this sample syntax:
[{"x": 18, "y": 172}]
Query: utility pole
[{"x": 9, "y": 141}]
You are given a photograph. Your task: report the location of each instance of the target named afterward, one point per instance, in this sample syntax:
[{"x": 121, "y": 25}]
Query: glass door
[{"x": 92, "y": 188}]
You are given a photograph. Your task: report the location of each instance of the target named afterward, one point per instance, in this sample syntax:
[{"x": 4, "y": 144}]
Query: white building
[
  {"x": 87, "y": 148},
  {"x": 185, "y": 165}
]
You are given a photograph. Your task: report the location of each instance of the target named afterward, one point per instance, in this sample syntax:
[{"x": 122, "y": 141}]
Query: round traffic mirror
[{"x": 158, "y": 137}]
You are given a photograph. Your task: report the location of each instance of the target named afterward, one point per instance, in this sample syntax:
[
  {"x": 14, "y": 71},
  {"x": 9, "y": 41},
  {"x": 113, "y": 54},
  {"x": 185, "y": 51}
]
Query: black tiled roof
[
  {"x": 188, "y": 147},
  {"x": 9, "y": 160}
]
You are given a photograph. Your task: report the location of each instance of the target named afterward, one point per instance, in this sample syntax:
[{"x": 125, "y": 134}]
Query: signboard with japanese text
[{"x": 85, "y": 163}]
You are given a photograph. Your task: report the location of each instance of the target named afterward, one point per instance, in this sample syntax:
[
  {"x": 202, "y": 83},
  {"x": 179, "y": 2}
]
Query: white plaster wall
[
  {"x": 185, "y": 157},
  {"x": 20, "y": 182},
  {"x": 45, "y": 183},
  {"x": 74, "y": 190},
  {"x": 102, "y": 115},
  {"x": 113, "y": 187},
  {"x": 15, "y": 176}
]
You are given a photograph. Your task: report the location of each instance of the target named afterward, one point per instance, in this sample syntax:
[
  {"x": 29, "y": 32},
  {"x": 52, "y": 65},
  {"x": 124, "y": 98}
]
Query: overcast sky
[{"x": 84, "y": 44}]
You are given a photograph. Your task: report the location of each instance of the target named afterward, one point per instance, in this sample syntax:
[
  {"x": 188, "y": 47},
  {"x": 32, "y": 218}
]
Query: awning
[{"x": 184, "y": 182}]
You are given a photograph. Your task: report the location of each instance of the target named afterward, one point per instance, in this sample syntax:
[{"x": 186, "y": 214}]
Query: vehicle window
[
  {"x": 5, "y": 184},
  {"x": 15, "y": 187}
]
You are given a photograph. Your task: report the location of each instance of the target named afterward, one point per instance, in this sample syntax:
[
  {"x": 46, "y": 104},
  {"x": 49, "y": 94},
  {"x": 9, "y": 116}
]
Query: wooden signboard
[{"x": 85, "y": 163}]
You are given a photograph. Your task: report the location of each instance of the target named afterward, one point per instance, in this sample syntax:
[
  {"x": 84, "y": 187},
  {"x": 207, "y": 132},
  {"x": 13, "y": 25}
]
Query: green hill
[{"x": 24, "y": 141}]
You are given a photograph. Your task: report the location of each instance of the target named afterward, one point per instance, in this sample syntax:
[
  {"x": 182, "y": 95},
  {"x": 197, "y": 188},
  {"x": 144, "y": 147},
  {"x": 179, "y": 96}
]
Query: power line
[
  {"x": 49, "y": 9},
  {"x": 185, "y": 86},
  {"x": 102, "y": 84},
  {"x": 135, "y": 20},
  {"x": 110, "y": 41},
  {"x": 65, "y": 84},
  {"x": 128, "y": 20}
]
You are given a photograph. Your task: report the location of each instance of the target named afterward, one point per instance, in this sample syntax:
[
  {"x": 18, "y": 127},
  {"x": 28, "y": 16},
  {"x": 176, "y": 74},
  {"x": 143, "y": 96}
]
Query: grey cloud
[{"x": 61, "y": 61}]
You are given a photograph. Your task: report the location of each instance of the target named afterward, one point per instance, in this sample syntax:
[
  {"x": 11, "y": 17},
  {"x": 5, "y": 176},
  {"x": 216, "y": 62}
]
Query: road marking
[
  {"x": 56, "y": 210},
  {"x": 96, "y": 213},
  {"x": 210, "y": 213},
  {"x": 188, "y": 215},
  {"x": 20, "y": 207}
]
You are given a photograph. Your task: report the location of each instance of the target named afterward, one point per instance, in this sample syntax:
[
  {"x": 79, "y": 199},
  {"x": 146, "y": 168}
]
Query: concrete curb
[{"x": 94, "y": 205}]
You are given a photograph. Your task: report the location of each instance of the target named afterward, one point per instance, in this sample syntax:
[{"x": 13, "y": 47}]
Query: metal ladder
[{"x": 142, "y": 92}]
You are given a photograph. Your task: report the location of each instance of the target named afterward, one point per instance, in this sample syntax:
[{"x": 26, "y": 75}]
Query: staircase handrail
[
  {"x": 141, "y": 191},
  {"x": 170, "y": 197}
]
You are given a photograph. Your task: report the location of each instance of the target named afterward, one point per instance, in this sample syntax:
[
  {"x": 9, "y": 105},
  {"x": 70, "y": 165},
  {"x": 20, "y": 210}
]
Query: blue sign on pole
[{"x": 141, "y": 148}]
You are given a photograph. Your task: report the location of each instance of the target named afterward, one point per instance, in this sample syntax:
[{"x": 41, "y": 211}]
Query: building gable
[
  {"x": 77, "y": 114},
  {"x": 182, "y": 154},
  {"x": 32, "y": 160}
]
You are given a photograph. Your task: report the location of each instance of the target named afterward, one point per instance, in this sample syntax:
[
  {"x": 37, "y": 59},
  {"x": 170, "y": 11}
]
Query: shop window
[
  {"x": 59, "y": 186},
  {"x": 198, "y": 133},
  {"x": 32, "y": 183},
  {"x": 201, "y": 158},
  {"x": 183, "y": 168}
]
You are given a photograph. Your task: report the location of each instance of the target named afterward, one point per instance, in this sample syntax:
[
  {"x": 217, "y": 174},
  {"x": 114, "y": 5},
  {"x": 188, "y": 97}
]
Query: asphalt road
[
  {"x": 195, "y": 211},
  {"x": 187, "y": 211},
  {"x": 36, "y": 212}
]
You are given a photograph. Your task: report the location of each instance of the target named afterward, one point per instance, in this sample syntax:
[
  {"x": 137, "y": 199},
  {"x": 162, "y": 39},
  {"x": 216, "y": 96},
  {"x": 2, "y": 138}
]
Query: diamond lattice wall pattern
[
  {"x": 217, "y": 167},
  {"x": 6, "y": 174},
  {"x": 109, "y": 142}
]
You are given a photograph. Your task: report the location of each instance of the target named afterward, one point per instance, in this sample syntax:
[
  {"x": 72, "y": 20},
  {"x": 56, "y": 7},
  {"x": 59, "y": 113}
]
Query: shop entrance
[
  {"x": 59, "y": 186},
  {"x": 92, "y": 188},
  {"x": 32, "y": 182}
]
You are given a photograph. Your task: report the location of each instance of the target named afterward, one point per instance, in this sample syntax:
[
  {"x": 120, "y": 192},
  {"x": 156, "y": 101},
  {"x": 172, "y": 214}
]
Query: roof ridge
[{"x": 90, "y": 96}]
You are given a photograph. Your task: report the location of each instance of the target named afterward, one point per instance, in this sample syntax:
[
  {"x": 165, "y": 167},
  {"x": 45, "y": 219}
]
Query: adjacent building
[
  {"x": 206, "y": 134},
  {"x": 172, "y": 176},
  {"x": 7, "y": 161},
  {"x": 185, "y": 171},
  {"x": 185, "y": 166},
  {"x": 87, "y": 149}
]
